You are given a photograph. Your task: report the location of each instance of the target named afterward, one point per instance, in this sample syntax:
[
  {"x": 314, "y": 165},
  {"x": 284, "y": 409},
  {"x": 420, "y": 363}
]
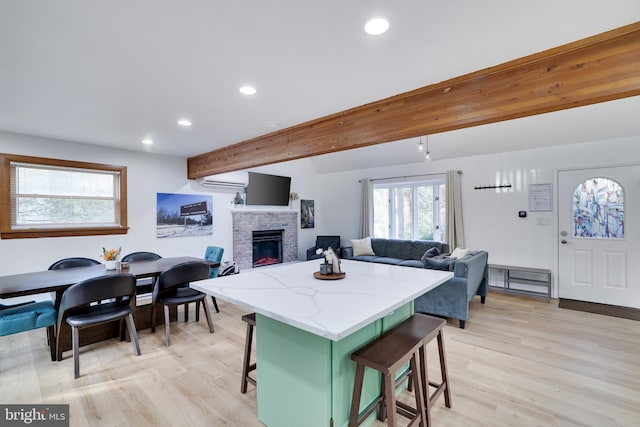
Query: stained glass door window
[{"x": 598, "y": 209}]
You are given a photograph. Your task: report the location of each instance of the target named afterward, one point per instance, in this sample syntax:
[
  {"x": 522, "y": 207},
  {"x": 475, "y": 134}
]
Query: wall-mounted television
[{"x": 270, "y": 190}]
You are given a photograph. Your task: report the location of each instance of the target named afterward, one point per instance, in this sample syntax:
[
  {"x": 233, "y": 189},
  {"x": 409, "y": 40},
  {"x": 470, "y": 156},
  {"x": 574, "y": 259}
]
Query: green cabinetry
[{"x": 307, "y": 380}]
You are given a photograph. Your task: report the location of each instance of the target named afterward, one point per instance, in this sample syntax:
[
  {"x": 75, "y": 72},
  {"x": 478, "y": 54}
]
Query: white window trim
[{"x": 413, "y": 182}]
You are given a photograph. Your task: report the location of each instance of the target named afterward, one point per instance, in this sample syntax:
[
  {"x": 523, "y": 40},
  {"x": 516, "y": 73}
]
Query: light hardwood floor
[{"x": 520, "y": 362}]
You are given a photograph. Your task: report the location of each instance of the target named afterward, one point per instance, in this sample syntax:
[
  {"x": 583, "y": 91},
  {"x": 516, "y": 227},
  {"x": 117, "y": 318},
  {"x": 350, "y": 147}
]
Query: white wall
[
  {"x": 305, "y": 182},
  {"x": 148, "y": 174},
  {"x": 491, "y": 219}
]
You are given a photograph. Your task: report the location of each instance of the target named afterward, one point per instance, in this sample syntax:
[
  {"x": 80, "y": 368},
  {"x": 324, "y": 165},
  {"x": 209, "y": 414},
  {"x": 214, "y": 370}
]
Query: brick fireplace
[{"x": 246, "y": 222}]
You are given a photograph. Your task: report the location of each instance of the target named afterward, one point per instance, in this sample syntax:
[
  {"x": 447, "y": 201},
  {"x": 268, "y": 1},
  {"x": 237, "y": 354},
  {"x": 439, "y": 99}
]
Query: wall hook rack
[{"x": 490, "y": 187}]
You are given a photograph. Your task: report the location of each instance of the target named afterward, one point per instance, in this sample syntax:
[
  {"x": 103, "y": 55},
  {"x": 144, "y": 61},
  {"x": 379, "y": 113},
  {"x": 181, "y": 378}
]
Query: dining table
[
  {"x": 307, "y": 326},
  {"x": 57, "y": 281}
]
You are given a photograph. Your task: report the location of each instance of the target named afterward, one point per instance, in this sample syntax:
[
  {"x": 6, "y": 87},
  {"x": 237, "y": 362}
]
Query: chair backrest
[
  {"x": 141, "y": 256},
  {"x": 98, "y": 288},
  {"x": 325, "y": 241},
  {"x": 214, "y": 253},
  {"x": 179, "y": 275},
  {"x": 72, "y": 263}
]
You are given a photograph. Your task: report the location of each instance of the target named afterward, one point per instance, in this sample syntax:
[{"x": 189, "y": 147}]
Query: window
[
  {"x": 50, "y": 198},
  {"x": 598, "y": 209},
  {"x": 411, "y": 210}
]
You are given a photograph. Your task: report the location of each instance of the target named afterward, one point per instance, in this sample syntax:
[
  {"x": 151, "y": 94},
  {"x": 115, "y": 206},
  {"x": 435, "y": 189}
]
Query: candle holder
[{"x": 326, "y": 268}]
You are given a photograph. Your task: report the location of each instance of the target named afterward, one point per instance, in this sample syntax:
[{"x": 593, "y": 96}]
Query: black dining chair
[
  {"x": 144, "y": 285},
  {"x": 170, "y": 289},
  {"x": 72, "y": 263},
  {"x": 141, "y": 256},
  {"x": 77, "y": 310}
]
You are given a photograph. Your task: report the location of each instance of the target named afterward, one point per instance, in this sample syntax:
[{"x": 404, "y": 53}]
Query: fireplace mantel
[
  {"x": 245, "y": 221},
  {"x": 244, "y": 209}
]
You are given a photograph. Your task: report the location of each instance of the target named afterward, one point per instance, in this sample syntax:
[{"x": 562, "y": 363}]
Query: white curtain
[
  {"x": 455, "y": 233},
  {"x": 366, "y": 220}
]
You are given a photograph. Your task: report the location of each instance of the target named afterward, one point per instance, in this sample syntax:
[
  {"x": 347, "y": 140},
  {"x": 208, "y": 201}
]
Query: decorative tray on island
[{"x": 332, "y": 276}]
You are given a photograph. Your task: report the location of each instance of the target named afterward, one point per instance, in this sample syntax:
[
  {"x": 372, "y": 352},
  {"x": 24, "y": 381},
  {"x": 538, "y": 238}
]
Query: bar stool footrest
[
  {"x": 370, "y": 409},
  {"x": 438, "y": 391}
]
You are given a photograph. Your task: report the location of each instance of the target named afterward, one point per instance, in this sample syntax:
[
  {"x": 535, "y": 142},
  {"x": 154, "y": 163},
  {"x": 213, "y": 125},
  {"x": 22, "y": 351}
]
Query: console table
[
  {"x": 520, "y": 280},
  {"x": 306, "y": 330}
]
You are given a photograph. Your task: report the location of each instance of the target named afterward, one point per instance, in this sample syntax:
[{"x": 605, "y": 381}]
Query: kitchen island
[{"x": 308, "y": 328}]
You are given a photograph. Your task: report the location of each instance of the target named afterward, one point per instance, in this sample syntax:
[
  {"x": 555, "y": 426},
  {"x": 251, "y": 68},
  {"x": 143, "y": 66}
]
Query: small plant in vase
[
  {"x": 292, "y": 198},
  {"x": 111, "y": 257},
  {"x": 238, "y": 200}
]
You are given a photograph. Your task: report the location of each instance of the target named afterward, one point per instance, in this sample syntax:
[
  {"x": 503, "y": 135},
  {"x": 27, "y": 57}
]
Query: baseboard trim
[{"x": 606, "y": 309}]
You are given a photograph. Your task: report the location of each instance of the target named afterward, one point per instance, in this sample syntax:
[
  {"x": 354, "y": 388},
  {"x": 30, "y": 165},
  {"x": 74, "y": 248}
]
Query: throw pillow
[
  {"x": 445, "y": 264},
  {"x": 430, "y": 253},
  {"x": 362, "y": 247},
  {"x": 459, "y": 253}
]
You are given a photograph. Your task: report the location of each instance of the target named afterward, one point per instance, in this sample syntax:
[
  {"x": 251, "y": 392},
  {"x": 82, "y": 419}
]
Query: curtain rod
[{"x": 412, "y": 176}]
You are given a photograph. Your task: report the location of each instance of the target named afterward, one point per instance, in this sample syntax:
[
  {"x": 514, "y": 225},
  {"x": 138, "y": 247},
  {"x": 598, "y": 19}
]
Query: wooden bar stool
[
  {"x": 421, "y": 326},
  {"x": 388, "y": 354},
  {"x": 247, "y": 366}
]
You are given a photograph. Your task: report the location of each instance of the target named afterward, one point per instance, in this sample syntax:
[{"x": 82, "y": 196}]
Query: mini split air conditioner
[{"x": 226, "y": 180}]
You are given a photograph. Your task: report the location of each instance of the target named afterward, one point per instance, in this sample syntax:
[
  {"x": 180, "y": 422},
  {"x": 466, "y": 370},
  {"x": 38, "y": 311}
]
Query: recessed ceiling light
[
  {"x": 184, "y": 122},
  {"x": 248, "y": 90},
  {"x": 147, "y": 141},
  {"x": 272, "y": 125},
  {"x": 376, "y": 26}
]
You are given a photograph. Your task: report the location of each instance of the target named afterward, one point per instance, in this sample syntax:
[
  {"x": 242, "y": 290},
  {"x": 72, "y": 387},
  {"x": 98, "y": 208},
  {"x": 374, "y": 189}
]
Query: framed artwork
[
  {"x": 307, "y": 214},
  {"x": 184, "y": 215}
]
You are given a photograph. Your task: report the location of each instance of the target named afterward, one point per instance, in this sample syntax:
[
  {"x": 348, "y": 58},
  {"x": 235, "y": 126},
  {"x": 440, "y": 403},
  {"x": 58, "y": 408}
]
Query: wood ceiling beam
[{"x": 600, "y": 68}]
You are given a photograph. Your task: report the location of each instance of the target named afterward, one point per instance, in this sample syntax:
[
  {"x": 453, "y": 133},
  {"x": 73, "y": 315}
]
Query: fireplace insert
[{"x": 267, "y": 247}]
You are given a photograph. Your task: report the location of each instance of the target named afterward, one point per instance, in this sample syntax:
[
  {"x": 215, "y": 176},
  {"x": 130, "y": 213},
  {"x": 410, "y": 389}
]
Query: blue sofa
[{"x": 451, "y": 299}]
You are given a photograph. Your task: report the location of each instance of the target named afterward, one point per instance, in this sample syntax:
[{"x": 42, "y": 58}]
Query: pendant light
[{"x": 427, "y": 154}]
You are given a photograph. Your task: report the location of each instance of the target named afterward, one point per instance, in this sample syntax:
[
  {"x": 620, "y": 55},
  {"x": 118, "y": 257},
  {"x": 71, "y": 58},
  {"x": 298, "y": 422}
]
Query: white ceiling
[{"x": 112, "y": 73}]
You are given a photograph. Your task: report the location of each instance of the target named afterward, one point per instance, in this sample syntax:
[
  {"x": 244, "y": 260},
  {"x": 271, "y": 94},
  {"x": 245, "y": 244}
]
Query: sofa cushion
[
  {"x": 362, "y": 247},
  {"x": 430, "y": 253},
  {"x": 459, "y": 253},
  {"x": 412, "y": 263},
  {"x": 419, "y": 247},
  {"x": 379, "y": 246},
  {"x": 400, "y": 249},
  {"x": 367, "y": 258},
  {"x": 388, "y": 260},
  {"x": 445, "y": 264}
]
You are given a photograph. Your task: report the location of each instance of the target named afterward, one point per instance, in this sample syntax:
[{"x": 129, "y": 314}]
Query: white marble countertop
[{"x": 329, "y": 308}]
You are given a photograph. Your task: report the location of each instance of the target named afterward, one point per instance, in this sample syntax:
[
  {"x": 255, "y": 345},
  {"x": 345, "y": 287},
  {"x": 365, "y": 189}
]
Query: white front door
[{"x": 599, "y": 235}]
